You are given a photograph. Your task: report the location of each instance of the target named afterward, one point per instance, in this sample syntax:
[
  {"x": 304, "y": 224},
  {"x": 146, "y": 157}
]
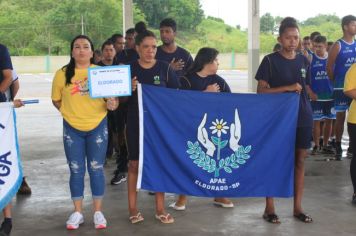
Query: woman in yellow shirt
[
  {"x": 85, "y": 133},
  {"x": 350, "y": 91}
]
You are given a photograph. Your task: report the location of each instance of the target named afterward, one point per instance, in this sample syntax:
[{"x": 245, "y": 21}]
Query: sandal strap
[
  {"x": 165, "y": 216},
  {"x": 137, "y": 216},
  {"x": 272, "y": 218},
  {"x": 304, "y": 217}
]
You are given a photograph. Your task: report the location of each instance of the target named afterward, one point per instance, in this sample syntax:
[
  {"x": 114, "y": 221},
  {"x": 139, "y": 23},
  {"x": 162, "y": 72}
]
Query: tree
[
  {"x": 187, "y": 13},
  {"x": 267, "y": 23},
  {"x": 100, "y": 19}
]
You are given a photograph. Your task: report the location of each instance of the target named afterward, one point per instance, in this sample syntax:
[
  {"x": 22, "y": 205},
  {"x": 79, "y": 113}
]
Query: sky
[{"x": 234, "y": 12}]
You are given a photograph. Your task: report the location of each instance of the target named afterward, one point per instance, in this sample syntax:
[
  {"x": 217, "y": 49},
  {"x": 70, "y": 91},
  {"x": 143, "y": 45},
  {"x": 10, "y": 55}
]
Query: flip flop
[
  {"x": 136, "y": 218},
  {"x": 175, "y": 207},
  {"x": 304, "y": 217},
  {"x": 271, "y": 218},
  {"x": 165, "y": 218},
  {"x": 224, "y": 205}
]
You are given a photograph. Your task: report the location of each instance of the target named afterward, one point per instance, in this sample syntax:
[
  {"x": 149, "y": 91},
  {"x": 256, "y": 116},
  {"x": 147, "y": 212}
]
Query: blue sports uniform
[
  {"x": 159, "y": 75},
  {"x": 345, "y": 58},
  {"x": 194, "y": 82},
  {"x": 179, "y": 54},
  {"x": 321, "y": 85},
  {"x": 279, "y": 71}
]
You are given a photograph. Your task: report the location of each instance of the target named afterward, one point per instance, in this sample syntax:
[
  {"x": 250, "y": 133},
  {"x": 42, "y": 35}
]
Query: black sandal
[
  {"x": 271, "y": 218},
  {"x": 304, "y": 217}
]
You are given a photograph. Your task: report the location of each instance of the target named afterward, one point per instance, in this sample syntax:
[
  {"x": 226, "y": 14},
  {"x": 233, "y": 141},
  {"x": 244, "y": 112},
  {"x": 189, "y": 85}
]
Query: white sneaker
[
  {"x": 75, "y": 219},
  {"x": 99, "y": 220}
]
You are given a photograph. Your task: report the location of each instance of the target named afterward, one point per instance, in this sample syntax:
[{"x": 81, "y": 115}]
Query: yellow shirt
[
  {"x": 350, "y": 84},
  {"x": 80, "y": 110}
]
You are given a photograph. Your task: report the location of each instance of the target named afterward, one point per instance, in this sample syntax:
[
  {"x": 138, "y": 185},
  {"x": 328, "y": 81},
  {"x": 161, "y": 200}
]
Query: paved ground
[{"x": 327, "y": 190}]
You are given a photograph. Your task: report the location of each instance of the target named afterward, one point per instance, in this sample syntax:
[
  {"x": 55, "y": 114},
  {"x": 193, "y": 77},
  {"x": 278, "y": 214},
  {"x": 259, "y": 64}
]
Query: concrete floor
[{"x": 327, "y": 198}]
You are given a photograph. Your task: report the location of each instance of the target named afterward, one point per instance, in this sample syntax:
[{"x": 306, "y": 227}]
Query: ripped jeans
[{"x": 90, "y": 147}]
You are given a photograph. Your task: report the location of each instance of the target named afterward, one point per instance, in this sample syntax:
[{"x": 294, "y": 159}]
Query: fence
[{"x": 49, "y": 64}]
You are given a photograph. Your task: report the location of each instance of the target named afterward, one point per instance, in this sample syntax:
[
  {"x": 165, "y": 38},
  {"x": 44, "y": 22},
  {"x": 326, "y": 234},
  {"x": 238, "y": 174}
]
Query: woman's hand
[
  {"x": 112, "y": 103},
  {"x": 294, "y": 88},
  {"x": 215, "y": 88}
]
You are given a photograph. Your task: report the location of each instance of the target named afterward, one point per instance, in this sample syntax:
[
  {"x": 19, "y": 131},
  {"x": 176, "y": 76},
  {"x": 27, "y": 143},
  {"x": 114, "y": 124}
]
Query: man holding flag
[{"x": 10, "y": 166}]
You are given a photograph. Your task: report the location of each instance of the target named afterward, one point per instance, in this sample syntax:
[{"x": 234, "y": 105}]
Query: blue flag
[
  {"x": 217, "y": 144},
  {"x": 10, "y": 162}
]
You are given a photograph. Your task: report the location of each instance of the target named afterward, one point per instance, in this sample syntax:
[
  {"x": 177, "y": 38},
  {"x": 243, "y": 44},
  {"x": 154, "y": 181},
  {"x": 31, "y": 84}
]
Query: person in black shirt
[
  {"x": 202, "y": 77},
  {"x": 281, "y": 72},
  {"x": 178, "y": 58},
  {"x": 145, "y": 70}
]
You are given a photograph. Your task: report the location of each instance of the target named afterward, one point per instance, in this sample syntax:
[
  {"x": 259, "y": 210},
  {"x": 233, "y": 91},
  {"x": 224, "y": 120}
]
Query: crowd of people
[{"x": 96, "y": 129}]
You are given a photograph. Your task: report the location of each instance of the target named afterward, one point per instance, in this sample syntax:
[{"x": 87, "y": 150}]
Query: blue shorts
[
  {"x": 323, "y": 110},
  {"x": 303, "y": 137},
  {"x": 342, "y": 102}
]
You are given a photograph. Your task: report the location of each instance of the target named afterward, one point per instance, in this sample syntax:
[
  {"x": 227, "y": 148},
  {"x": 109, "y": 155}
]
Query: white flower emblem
[{"x": 219, "y": 127}]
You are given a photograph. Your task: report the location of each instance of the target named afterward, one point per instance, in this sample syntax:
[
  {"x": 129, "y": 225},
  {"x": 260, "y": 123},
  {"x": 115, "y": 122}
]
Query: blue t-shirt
[
  {"x": 126, "y": 56},
  {"x": 5, "y": 64},
  {"x": 279, "y": 71},
  {"x": 179, "y": 54},
  {"x": 320, "y": 82},
  {"x": 159, "y": 75},
  {"x": 194, "y": 82},
  {"x": 345, "y": 58}
]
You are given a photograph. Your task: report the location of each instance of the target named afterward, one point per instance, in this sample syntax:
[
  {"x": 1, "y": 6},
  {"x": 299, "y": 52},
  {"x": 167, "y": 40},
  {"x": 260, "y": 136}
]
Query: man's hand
[{"x": 177, "y": 64}]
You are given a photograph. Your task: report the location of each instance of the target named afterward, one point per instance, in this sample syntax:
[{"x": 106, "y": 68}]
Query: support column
[
  {"x": 253, "y": 42},
  {"x": 127, "y": 15}
]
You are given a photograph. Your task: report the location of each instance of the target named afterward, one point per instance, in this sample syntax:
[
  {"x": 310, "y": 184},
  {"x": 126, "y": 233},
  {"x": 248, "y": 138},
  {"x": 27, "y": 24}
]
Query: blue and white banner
[
  {"x": 217, "y": 144},
  {"x": 10, "y": 164}
]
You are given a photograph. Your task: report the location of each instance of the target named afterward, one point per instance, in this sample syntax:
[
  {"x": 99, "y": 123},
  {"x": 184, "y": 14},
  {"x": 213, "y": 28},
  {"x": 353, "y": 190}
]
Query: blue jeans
[{"x": 89, "y": 146}]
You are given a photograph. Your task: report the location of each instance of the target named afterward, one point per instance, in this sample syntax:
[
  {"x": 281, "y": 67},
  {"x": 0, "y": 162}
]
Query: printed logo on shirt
[
  {"x": 347, "y": 50},
  {"x": 80, "y": 87},
  {"x": 303, "y": 73},
  {"x": 211, "y": 160},
  {"x": 156, "y": 80}
]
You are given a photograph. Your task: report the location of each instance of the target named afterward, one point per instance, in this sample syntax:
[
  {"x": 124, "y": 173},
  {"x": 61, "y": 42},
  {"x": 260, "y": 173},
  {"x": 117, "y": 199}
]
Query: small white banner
[
  {"x": 109, "y": 81},
  {"x": 10, "y": 164}
]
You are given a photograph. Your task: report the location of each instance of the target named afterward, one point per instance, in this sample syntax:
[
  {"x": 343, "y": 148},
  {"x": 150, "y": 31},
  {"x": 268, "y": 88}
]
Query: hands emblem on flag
[
  {"x": 235, "y": 134},
  {"x": 203, "y": 138}
]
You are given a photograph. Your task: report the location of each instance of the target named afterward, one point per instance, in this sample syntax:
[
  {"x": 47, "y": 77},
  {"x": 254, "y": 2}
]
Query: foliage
[
  {"x": 187, "y": 13},
  {"x": 215, "y": 19},
  {"x": 41, "y": 27},
  {"x": 321, "y": 19},
  {"x": 209, "y": 164},
  {"x": 267, "y": 23}
]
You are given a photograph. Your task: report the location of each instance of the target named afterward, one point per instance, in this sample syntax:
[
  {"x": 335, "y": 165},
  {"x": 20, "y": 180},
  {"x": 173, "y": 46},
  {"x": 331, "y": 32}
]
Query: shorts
[
  {"x": 303, "y": 137},
  {"x": 342, "y": 102},
  {"x": 323, "y": 110}
]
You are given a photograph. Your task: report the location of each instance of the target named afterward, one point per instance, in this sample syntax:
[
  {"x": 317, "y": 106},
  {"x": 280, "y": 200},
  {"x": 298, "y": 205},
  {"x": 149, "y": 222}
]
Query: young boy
[
  {"x": 323, "y": 107},
  {"x": 341, "y": 56}
]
